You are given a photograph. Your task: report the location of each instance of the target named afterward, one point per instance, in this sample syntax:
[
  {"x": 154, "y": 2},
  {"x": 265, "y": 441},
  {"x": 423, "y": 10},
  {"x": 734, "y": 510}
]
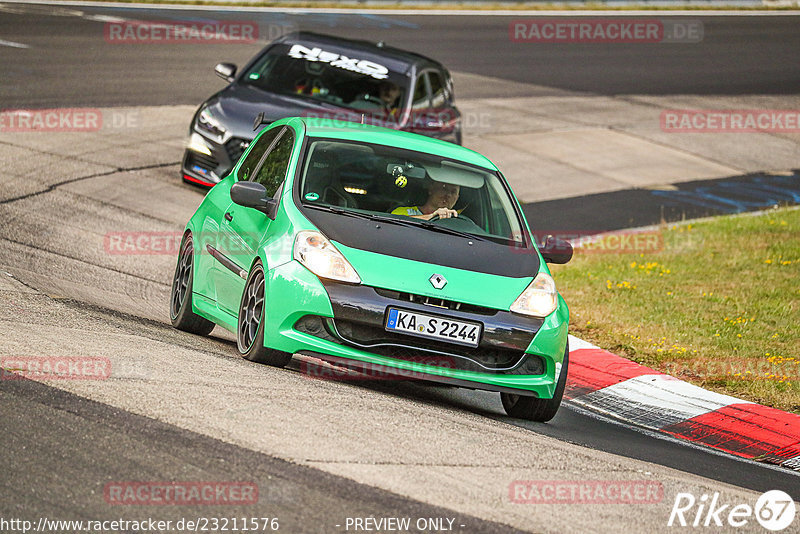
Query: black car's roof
[{"x": 386, "y": 53}]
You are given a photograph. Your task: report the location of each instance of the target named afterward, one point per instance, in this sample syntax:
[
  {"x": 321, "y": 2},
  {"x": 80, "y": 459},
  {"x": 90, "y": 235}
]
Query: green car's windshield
[
  {"x": 391, "y": 183},
  {"x": 327, "y": 77}
]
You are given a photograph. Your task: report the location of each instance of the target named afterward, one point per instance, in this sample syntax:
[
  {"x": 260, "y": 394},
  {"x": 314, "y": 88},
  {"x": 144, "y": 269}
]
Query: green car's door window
[
  {"x": 254, "y": 156},
  {"x": 273, "y": 170}
]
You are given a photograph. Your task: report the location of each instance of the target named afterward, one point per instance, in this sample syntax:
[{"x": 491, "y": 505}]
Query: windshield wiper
[
  {"x": 402, "y": 222},
  {"x": 359, "y": 215},
  {"x": 339, "y": 211},
  {"x": 446, "y": 230}
]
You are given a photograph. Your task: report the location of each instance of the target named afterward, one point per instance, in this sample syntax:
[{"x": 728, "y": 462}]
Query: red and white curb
[{"x": 604, "y": 383}]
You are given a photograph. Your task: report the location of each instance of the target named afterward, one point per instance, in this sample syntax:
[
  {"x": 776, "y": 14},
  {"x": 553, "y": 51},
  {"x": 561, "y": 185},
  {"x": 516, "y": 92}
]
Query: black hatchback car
[{"x": 314, "y": 75}]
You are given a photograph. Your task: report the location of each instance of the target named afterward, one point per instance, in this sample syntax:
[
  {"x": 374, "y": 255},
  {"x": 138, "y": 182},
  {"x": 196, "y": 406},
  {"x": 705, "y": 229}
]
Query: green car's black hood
[{"x": 427, "y": 246}]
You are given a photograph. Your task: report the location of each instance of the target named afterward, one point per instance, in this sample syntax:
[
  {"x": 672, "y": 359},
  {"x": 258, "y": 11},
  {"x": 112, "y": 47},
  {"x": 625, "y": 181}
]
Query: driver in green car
[{"x": 441, "y": 199}]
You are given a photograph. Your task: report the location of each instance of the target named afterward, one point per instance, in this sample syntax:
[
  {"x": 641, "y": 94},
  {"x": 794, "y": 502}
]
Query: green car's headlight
[
  {"x": 319, "y": 256},
  {"x": 539, "y": 299}
]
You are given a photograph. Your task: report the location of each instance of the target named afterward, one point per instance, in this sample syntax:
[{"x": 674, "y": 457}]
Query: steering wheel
[
  {"x": 462, "y": 222},
  {"x": 438, "y": 218}
]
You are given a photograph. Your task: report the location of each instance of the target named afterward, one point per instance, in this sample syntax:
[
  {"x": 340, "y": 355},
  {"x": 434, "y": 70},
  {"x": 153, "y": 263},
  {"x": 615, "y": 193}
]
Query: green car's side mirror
[
  {"x": 556, "y": 250},
  {"x": 254, "y": 195}
]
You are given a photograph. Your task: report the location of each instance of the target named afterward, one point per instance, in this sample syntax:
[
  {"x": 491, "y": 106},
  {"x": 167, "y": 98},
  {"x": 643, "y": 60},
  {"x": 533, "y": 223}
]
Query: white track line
[
  {"x": 655, "y": 401},
  {"x": 104, "y": 18},
  {"x": 12, "y": 44},
  {"x": 576, "y": 343}
]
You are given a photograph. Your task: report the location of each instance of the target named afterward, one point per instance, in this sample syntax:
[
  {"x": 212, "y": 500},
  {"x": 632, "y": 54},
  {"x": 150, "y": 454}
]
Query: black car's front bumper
[{"x": 208, "y": 169}]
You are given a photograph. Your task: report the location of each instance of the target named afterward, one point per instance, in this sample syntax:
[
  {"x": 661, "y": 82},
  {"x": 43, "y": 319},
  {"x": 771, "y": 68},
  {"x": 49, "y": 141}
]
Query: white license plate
[{"x": 434, "y": 327}]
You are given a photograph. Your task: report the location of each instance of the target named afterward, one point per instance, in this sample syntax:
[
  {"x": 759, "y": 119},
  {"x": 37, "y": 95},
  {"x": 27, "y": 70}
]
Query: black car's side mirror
[
  {"x": 556, "y": 250},
  {"x": 226, "y": 71},
  {"x": 254, "y": 195}
]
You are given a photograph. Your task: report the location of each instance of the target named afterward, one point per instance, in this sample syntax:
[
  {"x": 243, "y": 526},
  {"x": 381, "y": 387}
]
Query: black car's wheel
[
  {"x": 535, "y": 409},
  {"x": 250, "y": 328},
  {"x": 180, "y": 302}
]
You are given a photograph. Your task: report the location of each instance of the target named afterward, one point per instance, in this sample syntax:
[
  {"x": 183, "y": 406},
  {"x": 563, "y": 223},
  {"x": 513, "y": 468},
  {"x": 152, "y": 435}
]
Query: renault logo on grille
[{"x": 438, "y": 281}]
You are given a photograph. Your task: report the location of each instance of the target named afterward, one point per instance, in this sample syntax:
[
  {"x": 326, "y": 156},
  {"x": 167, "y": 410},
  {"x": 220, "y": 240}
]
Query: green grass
[{"x": 718, "y": 305}]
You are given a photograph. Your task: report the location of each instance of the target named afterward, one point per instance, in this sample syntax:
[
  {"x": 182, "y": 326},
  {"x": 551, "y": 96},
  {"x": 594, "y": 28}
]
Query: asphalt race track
[
  {"x": 187, "y": 408},
  {"x": 68, "y": 61}
]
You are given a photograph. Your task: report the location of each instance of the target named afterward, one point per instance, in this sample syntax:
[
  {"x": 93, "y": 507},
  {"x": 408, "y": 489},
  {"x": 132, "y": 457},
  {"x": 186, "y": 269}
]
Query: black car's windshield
[
  {"x": 327, "y": 76},
  {"x": 397, "y": 185}
]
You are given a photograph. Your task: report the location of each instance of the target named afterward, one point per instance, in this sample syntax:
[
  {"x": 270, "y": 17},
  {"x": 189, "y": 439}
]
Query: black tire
[
  {"x": 250, "y": 326},
  {"x": 533, "y": 408},
  {"x": 180, "y": 301}
]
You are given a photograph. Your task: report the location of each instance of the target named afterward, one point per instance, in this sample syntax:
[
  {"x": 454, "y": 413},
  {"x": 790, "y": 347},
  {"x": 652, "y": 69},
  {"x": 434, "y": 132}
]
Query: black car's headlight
[
  {"x": 198, "y": 143},
  {"x": 210, "y": 126}
]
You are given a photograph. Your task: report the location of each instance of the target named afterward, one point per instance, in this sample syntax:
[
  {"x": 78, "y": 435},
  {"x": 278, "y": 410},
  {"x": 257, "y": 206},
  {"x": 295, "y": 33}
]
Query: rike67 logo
[{"x": 774, "y": 510}]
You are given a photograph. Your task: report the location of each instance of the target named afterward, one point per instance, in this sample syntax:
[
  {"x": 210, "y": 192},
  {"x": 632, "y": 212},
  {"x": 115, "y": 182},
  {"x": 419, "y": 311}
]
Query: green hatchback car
[{"x": 375, "y": 249}]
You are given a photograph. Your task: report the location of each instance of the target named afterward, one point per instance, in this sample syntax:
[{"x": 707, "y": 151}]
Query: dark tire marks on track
[{"x": 62, "y": 473}]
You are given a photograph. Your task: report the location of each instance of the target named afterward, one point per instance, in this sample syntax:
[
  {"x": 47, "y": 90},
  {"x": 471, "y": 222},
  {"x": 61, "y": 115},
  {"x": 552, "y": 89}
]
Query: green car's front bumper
[{"x": 344, "y": 324}]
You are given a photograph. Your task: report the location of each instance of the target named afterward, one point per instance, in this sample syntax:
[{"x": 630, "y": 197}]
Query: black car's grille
[
  {"x": 436, "y": 302},
  {"x": 378, "y": 341},
  {"x": 235, "y": 147},
  {"x": 202, "y": 161}
]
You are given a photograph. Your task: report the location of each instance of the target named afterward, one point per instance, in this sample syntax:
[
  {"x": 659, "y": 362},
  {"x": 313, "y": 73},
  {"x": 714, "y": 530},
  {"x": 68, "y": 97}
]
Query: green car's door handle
[{"x": 228, "y": 217}]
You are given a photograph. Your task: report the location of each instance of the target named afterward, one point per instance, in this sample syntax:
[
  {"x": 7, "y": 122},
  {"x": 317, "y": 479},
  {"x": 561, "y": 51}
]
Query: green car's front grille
[
  {"x": 436, "y": 302},
  {"x": 378, "y": 341}
]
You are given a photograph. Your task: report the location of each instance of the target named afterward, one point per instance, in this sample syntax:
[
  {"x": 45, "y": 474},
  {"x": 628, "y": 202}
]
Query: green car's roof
[{"x": 340, "y": 129}]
